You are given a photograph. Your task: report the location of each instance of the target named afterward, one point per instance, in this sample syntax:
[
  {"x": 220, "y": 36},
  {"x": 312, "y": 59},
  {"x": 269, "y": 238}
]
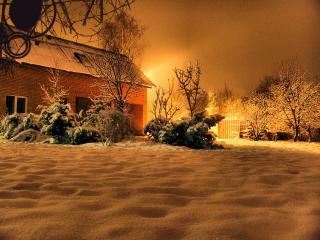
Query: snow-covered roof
[{"x": 62, "y": 54}]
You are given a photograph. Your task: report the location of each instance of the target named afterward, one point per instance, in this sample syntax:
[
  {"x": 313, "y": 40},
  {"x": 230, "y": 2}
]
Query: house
[{"x": 20, "y": 91}]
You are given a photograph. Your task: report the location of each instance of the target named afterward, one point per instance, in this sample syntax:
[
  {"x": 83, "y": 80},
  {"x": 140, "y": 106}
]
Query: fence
[{"x": 230, "y": 128}]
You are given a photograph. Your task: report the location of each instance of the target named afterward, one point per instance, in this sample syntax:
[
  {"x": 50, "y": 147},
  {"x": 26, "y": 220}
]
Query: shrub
[
  {"x": 168, "y": 134},
  {"x": 81, "y": 135},
  {"x": 213, "y": 120},
  {"x": 198, "y": 137},
  {"x": 316, "y": 135},
  {"x": 271, "y": 136},
  {"x": 284, "y": 136},
  {"x": 29, "y": 122},
  {"x": 29, "y": 135},
  {"x": 193, "y": 133},
  {"x": 13, "y": 124},
  {"x": 112, "y": 125},
  {"x": 153, "y": 128},
  {"x": 91, "y": 115},
  {"x": 56, "y": 120},
  {"x": 10, "y": 124}
]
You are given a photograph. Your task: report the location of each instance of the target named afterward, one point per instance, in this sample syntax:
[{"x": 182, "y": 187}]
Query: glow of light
[{"x": 148, "y": 73}]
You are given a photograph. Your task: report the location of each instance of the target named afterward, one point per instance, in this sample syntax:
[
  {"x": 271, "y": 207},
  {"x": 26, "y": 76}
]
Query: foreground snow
[{"x": 142, "y": 190}]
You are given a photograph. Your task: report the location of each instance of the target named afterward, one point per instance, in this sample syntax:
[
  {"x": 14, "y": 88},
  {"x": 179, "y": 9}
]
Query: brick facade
[{"x": 26, "y": 79}]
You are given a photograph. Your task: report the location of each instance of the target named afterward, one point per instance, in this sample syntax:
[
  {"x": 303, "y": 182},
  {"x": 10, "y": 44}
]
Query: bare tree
[
  {"x": 226, "y": 101},
  {"x": 119, "y": 78},
  {"x": 202, "y": 101},
  {"x": 53, "y": 91},
  {"x": 81, "y": 17},
  {"x": 311, "y": 118},
  {"x": 123, "y": 35},
  {"x": 189, "y": 85},
  {"x": 164, "y": 107},
  {"x": 294, "y": 94},
  {"x": 258, "y": 113},
  {"x": 212, "y": 107},
  {"x": 264, "y": 86}
]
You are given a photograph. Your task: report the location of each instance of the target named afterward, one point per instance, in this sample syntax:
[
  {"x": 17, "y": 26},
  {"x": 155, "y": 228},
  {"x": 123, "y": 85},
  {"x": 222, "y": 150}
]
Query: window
[
  {"x": 21, "y": 105},
  {"x": 16, "y": 104},
  {"x": 10, "y": 104},
  {"x": 83, "y": 103}
]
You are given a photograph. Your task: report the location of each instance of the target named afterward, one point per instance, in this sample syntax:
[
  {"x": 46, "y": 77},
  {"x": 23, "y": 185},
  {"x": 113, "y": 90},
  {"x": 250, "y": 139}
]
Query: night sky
[{"x": 236, "y": 41}]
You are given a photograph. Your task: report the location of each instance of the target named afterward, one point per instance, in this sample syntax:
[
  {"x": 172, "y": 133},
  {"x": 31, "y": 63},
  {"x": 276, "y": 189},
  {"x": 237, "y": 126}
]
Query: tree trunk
[
  {"x": 309, "y": 133},
  {"x": 120, "y": 105},
  {"x": 296, "y": 134}
]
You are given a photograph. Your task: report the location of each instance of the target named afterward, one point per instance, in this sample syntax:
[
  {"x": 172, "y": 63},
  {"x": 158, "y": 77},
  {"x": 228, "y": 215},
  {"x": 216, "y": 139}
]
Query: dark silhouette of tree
[
  {"x": 123, "y": 35},
  {"x": 119, "y": 76},
  {"x": 188, "y": 79},
  {"x": 223, "y": 98},
  {"x": 202, "y": 101},
  {"x": 264, "y": 86}
]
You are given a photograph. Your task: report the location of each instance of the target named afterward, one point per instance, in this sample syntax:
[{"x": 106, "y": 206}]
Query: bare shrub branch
[
  {"x": 164, "y": 107},
  {"x": 53, "y": 92}
]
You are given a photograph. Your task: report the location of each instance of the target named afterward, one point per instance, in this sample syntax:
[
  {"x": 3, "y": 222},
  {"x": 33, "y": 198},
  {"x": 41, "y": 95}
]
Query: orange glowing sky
[{"x": 235, "y": 41}]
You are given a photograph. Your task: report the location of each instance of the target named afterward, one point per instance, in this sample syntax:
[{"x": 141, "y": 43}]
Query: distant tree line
[{"x": 288, "y": 100}]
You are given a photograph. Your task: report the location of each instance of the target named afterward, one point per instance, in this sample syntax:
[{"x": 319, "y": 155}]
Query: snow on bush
[
  {"x": 16, "y": 123},
  {"x": 153, "y": 128},
  {"x": 193, "y": 133},
  {"x": 9, "y": 125},
  {"x": 56, "y": 120},
  {"x": 81, "y": 135},
  {"x": 29, "y": 135}
]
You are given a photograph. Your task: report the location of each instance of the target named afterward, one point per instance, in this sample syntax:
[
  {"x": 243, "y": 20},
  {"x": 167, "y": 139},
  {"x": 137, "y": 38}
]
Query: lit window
[{"x": 16, "y": 104}]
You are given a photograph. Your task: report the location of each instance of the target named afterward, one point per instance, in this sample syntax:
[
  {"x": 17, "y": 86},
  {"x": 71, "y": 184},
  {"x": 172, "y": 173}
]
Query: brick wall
[{"x": 26, "y": 80}]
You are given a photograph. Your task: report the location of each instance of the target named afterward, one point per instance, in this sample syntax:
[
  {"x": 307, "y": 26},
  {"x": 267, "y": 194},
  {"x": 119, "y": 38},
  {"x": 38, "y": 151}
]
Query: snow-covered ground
[{"x": 142, "y": 190}]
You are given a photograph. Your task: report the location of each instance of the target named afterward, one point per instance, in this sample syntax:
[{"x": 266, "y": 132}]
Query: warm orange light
[{"x": 148, "y": 73}]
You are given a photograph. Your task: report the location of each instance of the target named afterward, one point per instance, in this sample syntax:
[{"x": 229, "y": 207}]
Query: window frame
[{"x": 15, "y": 103}]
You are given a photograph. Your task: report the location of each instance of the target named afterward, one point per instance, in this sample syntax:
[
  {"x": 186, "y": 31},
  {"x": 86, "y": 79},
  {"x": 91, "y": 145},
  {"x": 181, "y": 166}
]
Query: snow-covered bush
[
  {"x": 9, "y": 125},
  {"x": 81, "y": 135},
  {"x": 193, "y": 133},
  {"x": 14, "y": 124},
  {"x": 168, "y": 134},
  {"x": 56, "y": 120},
  {"x": 91, "y": 115},
  {"x": 198, "y": 136},
  {"x": 112, "y": 125},
  {"x": 28, "y": 135},
  {"x": 29, "y": 122},
  {"x": 153, "y": 128}
]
